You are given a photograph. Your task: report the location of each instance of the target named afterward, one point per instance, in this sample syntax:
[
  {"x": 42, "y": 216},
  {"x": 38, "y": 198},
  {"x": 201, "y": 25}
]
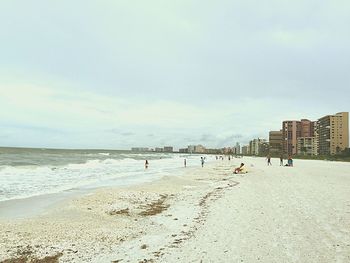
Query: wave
[
  {"x": 25, "y": 181},
  {"x": 104, "y": 154}
]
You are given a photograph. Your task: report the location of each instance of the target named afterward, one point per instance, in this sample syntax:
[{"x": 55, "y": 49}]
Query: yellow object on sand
[{"x": 243, "y": 170}]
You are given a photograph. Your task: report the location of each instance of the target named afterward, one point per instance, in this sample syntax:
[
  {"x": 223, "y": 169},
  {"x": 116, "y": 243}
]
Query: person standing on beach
[
  {"x": 185, "y": 162},
  {"x": 281, "y": 160},
  {"x": 146, "y": 164},
  {"x": 268, "y": 160},
  {"x": 202, "y": 161}
]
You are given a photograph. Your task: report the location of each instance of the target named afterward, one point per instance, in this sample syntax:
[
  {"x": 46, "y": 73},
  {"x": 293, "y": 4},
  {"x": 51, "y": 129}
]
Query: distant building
[
  {"x": 213, "y": 151},
  {"x": 183, "y": 150},
  {"x": 333, "y": 133},
  {"x": 307, "y": 146},
  {"x": 307, "y": 128},
  {"x": 292, "y": 130},
  {"x": 168, "y": 149},
  {"x": 275, "y": 142},
  {"x": 263, "y": 148},
  {"x": 196, "y": 149},
  {"x": 256, "y": 148},
  {"x": 191, "y": 148},
  {"x": 200, "y": 149},
  {"x": 245, "y": 150},
  {"x": 158, "y": 149},
  {"x": 237, "y": 149},
  {"x": 227, "y": 150},
  {"x": 140, "y": 149}
]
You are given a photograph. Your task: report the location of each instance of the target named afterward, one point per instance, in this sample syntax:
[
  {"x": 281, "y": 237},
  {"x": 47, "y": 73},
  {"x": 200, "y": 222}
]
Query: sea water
[{"x": 32, "y": 172}]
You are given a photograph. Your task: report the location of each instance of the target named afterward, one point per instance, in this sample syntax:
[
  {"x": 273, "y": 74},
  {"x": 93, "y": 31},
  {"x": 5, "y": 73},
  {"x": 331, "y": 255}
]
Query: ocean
[{"x": 26, "y": 172}]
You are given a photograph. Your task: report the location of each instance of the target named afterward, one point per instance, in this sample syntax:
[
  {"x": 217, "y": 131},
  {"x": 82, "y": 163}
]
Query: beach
[{"x": 270, "y": 214}]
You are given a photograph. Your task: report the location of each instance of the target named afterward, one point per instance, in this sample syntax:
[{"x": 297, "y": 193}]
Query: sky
[{"x": 119, "y": 74}]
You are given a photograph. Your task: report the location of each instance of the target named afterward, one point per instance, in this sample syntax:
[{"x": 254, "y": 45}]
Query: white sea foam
[
  {"x": 26, "y": 181},
  {"x": 105, "y": 154}
]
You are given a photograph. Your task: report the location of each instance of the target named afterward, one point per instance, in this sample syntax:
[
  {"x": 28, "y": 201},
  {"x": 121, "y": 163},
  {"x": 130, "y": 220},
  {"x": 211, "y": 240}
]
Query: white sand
[{"x": 271, "y": 214}]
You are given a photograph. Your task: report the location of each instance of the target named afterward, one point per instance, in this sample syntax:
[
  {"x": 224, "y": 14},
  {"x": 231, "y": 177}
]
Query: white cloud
[{"x": 178, "y": 70}]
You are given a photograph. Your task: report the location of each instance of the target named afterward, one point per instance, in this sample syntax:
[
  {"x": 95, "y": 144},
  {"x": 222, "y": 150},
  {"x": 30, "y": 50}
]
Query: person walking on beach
[
  {"x": 185, "y": 162},
  {"x": 281, "y": 160},
  {"x": 290, "y": 161},
  {"x": 202, "y": 161},
  {"x": 268, "y": 160},
  {"x": 146, "y": 164}
]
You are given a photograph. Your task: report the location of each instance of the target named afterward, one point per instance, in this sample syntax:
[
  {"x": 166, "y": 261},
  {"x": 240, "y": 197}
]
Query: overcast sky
[{"x": 116, "y": 74}]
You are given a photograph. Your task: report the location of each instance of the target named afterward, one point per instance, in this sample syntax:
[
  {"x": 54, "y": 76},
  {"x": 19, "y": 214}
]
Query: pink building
[{"x": 292, "y": 130}]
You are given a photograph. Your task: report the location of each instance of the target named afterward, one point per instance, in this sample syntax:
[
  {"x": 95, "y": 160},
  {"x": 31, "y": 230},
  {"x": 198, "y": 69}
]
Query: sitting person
[
  {"x": 239, "y": 169},
  {"x": 289, "y": 162}
]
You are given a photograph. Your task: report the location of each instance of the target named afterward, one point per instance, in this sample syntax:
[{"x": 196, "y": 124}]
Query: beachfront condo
[
  {"x": 333, "y": 133},
  {"x": 292, "y": 130}
]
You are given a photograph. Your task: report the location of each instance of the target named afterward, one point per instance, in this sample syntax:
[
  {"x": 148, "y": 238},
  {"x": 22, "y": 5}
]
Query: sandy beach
[{"x": 270, "y": 214}]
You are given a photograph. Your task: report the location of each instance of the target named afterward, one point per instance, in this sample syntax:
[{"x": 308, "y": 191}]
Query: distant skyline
[{"x": 121, "y": 74}]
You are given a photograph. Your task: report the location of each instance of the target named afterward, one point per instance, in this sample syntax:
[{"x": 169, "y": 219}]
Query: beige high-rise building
[
  {"x": 307, "y": 146},
  {"x": 275, "y": 142},
  {"x": 333, "y": 133}
]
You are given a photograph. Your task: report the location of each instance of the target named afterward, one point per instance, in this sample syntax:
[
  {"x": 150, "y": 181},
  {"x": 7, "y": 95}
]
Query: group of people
[
  {"x": 185, "y": 162},
  {"x": 241, "y": 168},
  {"x": 289, "y": 161}
]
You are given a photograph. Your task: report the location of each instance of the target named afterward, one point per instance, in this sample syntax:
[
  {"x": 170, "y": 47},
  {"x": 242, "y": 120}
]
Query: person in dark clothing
[
  {"x": 268, "y": 160},
  {"x": 281, "y": 160}
]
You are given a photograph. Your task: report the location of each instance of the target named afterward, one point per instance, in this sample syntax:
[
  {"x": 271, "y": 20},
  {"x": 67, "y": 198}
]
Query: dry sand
[{"x": 271, "y": 214}]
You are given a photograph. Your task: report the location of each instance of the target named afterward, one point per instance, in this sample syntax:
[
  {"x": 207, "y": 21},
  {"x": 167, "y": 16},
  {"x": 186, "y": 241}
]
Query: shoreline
[
  {"x": 131, "y": 211},
  {"x": 207, "y": 214},
  {"x": 32, "y": 206}
]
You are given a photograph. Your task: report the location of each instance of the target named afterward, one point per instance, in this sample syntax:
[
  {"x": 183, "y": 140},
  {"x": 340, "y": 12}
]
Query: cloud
[
  {"x": 85, "y": 116},
  {"x": 121, "y": 70},
  {"x": 127, "y": 134}
]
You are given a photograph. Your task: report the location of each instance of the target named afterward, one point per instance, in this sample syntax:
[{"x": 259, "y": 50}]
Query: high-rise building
[
  {"x": 292, "y": 130},
  {"x": 245, "y": 150},
  {"x": 307, "y": 128},
  {"x": 196, "y": 149},
  {"x": 263, "y": 148},
  {"x": 237, "y": 148},
  {"x": 333, "y": 133},
  {"x": 168, "y": 149},
  {"x": 307, "y": 146},
  {"x": 256, "y": 148},
  {"x": 140, "y": 149},
  {"x": 275, "y": 141}
]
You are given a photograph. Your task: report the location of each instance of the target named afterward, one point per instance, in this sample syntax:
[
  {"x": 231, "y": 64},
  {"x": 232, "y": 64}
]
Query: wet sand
[{"x": 271, "y": 214}]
